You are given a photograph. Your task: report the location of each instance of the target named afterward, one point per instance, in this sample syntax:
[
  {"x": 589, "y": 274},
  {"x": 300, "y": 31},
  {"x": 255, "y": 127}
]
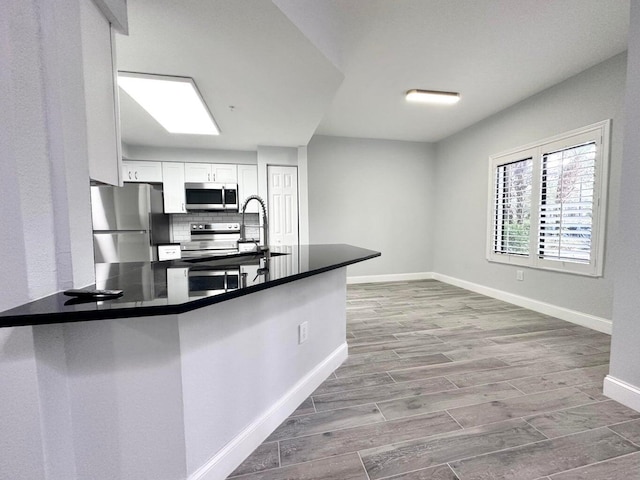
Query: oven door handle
[{"x": 205, "y": 273}]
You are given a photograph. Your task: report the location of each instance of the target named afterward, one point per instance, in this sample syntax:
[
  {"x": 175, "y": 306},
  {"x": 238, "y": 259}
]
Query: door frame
[{"x": 296, "y": 167}]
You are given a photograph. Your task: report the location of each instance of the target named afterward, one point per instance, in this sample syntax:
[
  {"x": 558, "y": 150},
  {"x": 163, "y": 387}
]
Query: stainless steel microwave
[{"x": 211, "y": 196}]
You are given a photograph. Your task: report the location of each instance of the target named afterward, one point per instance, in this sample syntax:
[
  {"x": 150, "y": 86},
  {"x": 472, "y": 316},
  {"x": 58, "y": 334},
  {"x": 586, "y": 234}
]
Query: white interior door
[{"x": 283, "y": 205}]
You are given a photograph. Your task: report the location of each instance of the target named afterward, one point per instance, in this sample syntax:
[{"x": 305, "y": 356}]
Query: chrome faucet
[{"x": 265, "y": 224}]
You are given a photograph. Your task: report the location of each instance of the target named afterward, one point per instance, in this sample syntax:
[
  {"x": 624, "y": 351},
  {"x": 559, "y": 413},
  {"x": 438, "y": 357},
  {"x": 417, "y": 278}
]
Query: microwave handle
[{"x": 224, "y": 196}]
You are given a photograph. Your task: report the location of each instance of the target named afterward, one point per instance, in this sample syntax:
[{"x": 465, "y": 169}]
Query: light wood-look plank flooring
[{"x": 443, "y": 384}]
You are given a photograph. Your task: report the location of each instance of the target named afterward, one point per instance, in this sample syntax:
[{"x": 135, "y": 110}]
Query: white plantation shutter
[
  {"x": 512, "y": 207},
  {"x": 567, "y": 203},
  {"x": 548, "y": 203}
]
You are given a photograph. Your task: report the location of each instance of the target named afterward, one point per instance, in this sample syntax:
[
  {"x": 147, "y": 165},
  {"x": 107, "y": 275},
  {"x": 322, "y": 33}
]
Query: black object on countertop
[
  {"x": 146, "y": 291},
  {"x": 93, "y": 294}
]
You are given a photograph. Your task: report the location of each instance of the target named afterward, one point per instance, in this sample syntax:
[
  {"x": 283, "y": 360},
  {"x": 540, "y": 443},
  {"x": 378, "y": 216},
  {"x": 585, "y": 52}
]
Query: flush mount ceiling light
[
  {"x": 433, "y": 96},
  {"x": 174, "y": 102}
]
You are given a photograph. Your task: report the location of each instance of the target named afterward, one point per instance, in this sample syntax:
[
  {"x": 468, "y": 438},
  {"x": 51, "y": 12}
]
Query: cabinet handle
[
  {"x": 129, "y": 174},
  {"x": 208, "y": 177},
  {"x": 183, "y": 209},
  {"x": 214, "y": 177},
  {"x": 136, "y": 174}
]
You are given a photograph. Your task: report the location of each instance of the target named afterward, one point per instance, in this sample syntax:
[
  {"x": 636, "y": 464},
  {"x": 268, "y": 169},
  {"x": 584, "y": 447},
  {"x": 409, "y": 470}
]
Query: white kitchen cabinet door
[
  {"x": 210, "y": 172},
  {"x": 173, "y": 187},
  {"x": 247, "y": 186},
  {"x": 198, "y": 172},
  {"x": 100, "y": 96},
  {"x": 146, "y": 172},
  {"x": 177, "y": 285},
  {"x": 224, "y": 173},
  {"x": 250, "y": 276}
]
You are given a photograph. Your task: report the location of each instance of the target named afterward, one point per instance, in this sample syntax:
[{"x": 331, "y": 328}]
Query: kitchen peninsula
[{"x": 176, "y": 386}]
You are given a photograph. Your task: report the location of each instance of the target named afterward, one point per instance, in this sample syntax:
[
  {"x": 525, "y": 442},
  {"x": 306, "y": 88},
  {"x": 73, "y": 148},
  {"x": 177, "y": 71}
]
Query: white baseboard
[
  {"x": 237, "y": 450},
  {"x": 579, "y": 318},
  {"x": 393, "y": 277},
  {"x": 622, "y": 392}
]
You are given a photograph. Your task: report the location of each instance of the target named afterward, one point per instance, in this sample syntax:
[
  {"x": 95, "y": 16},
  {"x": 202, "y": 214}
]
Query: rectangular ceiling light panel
[
  {"x": 432, "y": 96},
  {"x": 174, "y": 102}
]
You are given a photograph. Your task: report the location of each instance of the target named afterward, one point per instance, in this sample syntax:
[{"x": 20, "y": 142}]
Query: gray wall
[
  {"x": 462, "y": 187},
  {"x": 376, "y": 194},
  {"x": 625, "y": 344}
]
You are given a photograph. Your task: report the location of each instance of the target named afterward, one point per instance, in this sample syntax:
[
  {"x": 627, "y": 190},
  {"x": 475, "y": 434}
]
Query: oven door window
[
  {"x": 210, "y": 196},
  {"x": 233, "y": 281},
  {"x": 206, "y": 283},
  {"x": 213, "y": 281}
]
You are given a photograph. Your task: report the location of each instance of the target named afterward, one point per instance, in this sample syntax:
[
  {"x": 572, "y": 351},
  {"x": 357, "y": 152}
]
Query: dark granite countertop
[{"x": 165, "y": 288}]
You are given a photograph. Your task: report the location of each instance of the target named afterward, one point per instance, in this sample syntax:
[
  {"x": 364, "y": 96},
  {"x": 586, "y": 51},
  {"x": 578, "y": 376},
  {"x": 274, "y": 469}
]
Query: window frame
[
  {"x": 495, "y": 162},
  {"x": 598, "y": 133}
]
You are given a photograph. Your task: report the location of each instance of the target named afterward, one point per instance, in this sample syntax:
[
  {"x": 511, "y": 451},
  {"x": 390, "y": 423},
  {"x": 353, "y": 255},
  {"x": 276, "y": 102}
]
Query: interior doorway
[{"x": 282, "y": 191}]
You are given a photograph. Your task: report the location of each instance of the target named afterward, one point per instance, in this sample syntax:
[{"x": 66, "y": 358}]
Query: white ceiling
[
  {"x": 293, "y": 68},
  {"x": 241, "y": 53}
]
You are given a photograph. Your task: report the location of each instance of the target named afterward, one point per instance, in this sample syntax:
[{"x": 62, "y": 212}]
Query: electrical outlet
[
  {"x": 303, "y": 332},
  {"x": 520, "y": 275}
]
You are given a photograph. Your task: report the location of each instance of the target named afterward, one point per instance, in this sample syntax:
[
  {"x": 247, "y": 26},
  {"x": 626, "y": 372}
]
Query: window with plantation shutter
[
  {"x": 512, "y": 211},
  {"x": 547, "y": 203},
  {"x": 566, "y": 204}
]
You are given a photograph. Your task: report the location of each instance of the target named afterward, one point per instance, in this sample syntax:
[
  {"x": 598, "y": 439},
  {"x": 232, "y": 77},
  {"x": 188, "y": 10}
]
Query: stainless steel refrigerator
[{"x": 128, "y": 223}]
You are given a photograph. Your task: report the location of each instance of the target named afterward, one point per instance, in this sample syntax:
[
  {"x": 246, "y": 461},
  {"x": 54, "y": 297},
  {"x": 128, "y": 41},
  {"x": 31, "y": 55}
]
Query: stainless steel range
[{"x": 211, "y": 239}]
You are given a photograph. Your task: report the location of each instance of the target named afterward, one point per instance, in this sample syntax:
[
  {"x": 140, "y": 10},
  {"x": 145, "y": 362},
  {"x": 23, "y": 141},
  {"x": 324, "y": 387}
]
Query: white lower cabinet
[
  {"x": 177, "y": 285},
  {"x": 173, "y": 187}
]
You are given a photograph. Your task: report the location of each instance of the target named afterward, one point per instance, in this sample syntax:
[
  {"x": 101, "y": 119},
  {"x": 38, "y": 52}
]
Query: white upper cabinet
[
  {"x": 223, "y": 173},
  {"x": 247, "y": 186},
  {"x": 147, "y": 172},
  {"x": 210, "y": 172},
  {"x": 173, "y": 187},
  {"x": 197, "y": 172},
  {"x": 101, "y": 96}
]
